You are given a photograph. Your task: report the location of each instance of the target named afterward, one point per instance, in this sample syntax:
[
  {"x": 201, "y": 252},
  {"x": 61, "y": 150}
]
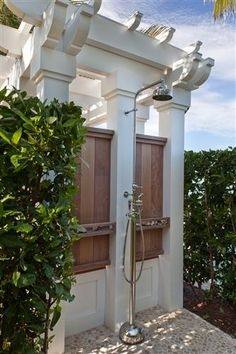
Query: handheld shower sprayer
[{"x": 129, "y": 332}]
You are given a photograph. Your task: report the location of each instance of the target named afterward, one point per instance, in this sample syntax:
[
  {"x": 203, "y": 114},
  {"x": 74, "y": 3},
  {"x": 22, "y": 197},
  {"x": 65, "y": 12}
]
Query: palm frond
[{"x": 223, "y": 7}]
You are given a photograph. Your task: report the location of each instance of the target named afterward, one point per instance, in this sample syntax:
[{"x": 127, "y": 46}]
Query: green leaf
[
  {"x": 16, "y": 136},
  {"x": 56, "y": 316},
  {"x": 48, "y": 270},
  {"x": 23, "y": 117},
  {"x": 15, "y": 160},
  {"x": 5, "y": 136},
  {"x": 27, "y": 279},
  {"x": 7, "y": 197},
  {"x": 36, "y": 227},
  {"x": 70, "y": 123},
  {"x": 24, "y": 227},
  {"x": 12, "y": 241},
  {"x": 38, "y": 257},
  {"x": 15, "y": 277},
  {"x": 51, "y": 120}
]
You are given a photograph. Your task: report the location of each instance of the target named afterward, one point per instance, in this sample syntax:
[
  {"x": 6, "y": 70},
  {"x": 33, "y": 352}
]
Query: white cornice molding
[
  {"x": 171, "y": 105},
  {"x": 118, "y": 92},
  {"x": 41, "y": 74}
]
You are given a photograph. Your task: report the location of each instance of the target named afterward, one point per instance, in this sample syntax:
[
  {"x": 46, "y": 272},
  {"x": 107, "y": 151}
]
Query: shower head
[{"x": 162, "y": 93}]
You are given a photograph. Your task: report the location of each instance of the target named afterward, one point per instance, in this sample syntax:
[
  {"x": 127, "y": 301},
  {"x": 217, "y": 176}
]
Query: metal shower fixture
[
  {"x": 162, "y": 93},
  {"x": 129, "y": 332}
]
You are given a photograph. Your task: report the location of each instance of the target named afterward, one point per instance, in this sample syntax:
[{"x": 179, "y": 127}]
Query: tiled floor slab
[{"x": 176, "y": 332}]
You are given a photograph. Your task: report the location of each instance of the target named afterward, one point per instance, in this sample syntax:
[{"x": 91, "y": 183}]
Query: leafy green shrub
[
  {"x": 38, "y": 146},
  {"x": 210, "y": 220}
]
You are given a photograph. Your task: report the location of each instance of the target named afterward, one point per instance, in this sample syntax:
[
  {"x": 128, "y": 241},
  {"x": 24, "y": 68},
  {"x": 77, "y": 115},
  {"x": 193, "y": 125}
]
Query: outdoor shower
[{"x": 130, "y": 333}]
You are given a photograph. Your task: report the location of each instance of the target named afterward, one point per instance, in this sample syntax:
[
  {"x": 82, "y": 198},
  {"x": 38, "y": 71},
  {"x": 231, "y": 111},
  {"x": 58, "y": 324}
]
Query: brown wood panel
[
  {"x": 77, "y": 204},
  {"x": 149, "y": 174},
  {"x": 156, "y": 181},
  {"x": 101, "y": 248},
  {"x": 138, "y": 172},
  {"x": 87, "y": 182},
  {"x": 92, "y": 204},
  {"x": 146, "y": 179},
  {"x": 102, "y": 181}
]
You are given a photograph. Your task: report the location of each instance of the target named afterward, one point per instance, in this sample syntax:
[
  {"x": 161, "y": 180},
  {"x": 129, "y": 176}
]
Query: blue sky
[{"x": 211, "y": 120}]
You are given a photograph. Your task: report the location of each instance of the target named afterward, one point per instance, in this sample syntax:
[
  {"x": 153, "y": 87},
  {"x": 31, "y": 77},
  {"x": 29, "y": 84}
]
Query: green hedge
[
  {"x": 38, "y": 146},
  {"x": 210, "y": 221}
]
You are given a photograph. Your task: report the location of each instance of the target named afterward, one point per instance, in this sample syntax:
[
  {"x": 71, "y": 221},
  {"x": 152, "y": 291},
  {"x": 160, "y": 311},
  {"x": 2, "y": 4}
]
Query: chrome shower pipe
[
  {"x": 155, "y": 83},
  {"x": 129, "y": 332}
]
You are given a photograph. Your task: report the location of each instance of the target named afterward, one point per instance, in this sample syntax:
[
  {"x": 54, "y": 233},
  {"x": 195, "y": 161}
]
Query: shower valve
[{"x": 126, "y": 194}]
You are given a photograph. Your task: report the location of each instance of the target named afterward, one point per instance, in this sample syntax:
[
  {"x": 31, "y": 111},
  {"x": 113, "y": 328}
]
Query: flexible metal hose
[{"x": 143, "y": 250}]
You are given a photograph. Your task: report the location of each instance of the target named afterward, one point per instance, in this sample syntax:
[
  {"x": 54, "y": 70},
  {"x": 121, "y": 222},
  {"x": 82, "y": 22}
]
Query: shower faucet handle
[
  {"x": 127, "y": 194},
  {"x": 136, "y": 195},
  {"x": 137, "y": 192}
]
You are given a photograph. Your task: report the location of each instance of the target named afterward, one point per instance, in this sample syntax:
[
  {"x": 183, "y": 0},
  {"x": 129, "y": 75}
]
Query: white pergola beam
[
  {"x": 12, "y": 40},
  {"x": 109, "y": 35},
  {"x": 86, "y": 86}
]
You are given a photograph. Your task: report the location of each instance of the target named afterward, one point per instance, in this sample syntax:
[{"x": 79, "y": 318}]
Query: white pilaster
[
  {"x": 142, "y": 117},
  {"x": 50, "y": 88},
  {"x": 27, "y": 85},
  {"x": 14, "y": 77},
  {"x": 57, "y": 346},
  {"x": 118, "y": 101},
  {"x": 171, "y": 126},
  {"x": 52, "y": 72}
]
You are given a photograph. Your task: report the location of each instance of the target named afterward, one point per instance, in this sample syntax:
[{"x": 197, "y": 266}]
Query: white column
[
  {"x": 171, "y": 126},
  {"x": 52, "y": 72},
  {"x": 142, "y": 117},
  {"x": 58, "y": 344},
  {"x": 14, "y": 77},
  {"x": 49, "y": 87},
  {"x": 118, "y": 101},
  {"x": 27, "y": 85}
]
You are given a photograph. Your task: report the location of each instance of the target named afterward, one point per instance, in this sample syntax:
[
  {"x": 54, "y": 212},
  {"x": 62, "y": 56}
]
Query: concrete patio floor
[{"x": 176, "y": 332}]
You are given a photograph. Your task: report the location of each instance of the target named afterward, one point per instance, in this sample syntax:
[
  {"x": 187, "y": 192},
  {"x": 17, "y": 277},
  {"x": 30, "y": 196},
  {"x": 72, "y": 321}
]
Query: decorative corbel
[
  {"x": 96, "y": 6},
  {"x": 203, "y": 72},
  {"x": 162, "y": 33},
  {"x": 193, "y": 48},
  {"x": 191, "y": 71},
  {"x": 166, "y": 34},
  {"x": 134, "y": 21},
  {"x": 185, "y": 69},
  {"x": 54, "y": 21},
  {"x": 77, "y": 29}
]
